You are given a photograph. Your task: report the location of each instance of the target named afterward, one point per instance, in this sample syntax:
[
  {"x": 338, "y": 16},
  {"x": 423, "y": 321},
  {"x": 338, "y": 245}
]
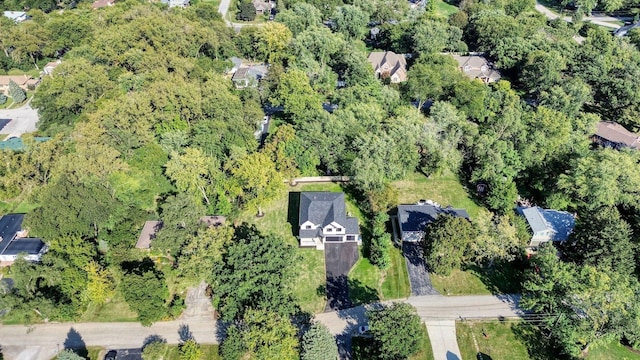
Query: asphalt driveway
[
  {"x": 339, "y": 259},
  {"x": 418, "y": 274}
]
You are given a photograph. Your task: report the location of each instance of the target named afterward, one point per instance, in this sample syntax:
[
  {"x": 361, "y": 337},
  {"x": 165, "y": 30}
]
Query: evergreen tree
[
  {"x": 16, "y": 92},
  {"x": 319, "y": 344}
]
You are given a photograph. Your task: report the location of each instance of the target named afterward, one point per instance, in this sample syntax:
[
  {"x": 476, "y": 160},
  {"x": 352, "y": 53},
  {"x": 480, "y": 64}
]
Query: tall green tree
[
  {"x": 318, "y": 344},
  {"x": 394, "y": 328},
  {"x": 145, "y": 290},
  {"x": 254, "y": 272},
  {"x": 258, "y": 179},
  {"x": 446, "y": 241}
]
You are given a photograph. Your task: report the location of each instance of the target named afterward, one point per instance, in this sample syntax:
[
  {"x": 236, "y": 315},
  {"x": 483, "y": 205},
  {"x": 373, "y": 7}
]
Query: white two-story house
[{"x": 322, "y": 218}]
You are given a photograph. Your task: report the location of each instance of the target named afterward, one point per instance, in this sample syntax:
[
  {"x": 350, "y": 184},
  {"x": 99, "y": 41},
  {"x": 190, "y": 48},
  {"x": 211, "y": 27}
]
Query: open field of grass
[
  {"x": 368, "y": 283},
  {"x": 444, "y": 189},
  {"x": 459, "y": 283},
  {"x": 473, "y": 280},
  {"x": 612, "y": 351},
  {"x": 91, "y": 353},
  {"x": 115, "y": 310},
  {"x": 500, "y": 343},
  {"x": 445, "y": 9},
  {"x": 209, "y": 352}
]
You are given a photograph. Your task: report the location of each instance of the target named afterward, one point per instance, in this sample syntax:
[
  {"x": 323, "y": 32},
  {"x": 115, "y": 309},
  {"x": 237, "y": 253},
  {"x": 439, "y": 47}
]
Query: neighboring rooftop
[
  {"x": 389, "y": 64},
  {"x": 617, "y": 134},
  {"x": 14, "y": 242},
  {"x": 148, "y": 233},
  {"x": 477, "y": 67},
  {"x": 102, "y": 3},
  {"x": 16, "y": 143},
  {"x": 413, "y": 219},
  {"x": 624, "y": 30},
  {"x": 559, "y": 223},
  {"x": 22, "y": 80},
  {"x": 17, "y": 16}
]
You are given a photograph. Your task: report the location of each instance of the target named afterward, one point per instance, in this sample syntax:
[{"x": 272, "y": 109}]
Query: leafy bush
[
  {"x": 246, "y": 11},
  {"x": 3, "y": 99}
]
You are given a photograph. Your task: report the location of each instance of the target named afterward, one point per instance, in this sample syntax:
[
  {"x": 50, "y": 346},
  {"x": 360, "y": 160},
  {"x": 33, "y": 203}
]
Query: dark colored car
[{"x": 111, "y": 355}]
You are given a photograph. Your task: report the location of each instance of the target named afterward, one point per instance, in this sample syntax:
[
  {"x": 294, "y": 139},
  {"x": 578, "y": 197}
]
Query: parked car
[{"x": 111, "y": 355}]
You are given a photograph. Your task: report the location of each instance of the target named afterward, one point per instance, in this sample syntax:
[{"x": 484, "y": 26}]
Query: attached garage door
[{"x": 333, "y": 238}]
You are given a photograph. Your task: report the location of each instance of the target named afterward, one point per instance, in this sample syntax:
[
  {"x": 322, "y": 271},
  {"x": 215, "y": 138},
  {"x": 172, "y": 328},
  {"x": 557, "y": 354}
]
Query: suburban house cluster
[{"x": 14, "y": 241}]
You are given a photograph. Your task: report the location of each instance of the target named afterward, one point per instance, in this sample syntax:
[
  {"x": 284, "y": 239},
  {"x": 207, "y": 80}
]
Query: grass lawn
[
  {"x": 459, "y": 283},
  {"x": 425, "y": 352},
  {"x": 445, "y": 9},
  {"x": 115, "y": 310},
  {"x": 367, "y": 283},
  {"x": 502, "y": 342},
  {"x": 310, "y": 280},
  {"x": 612, "y": 351},
  {"x": 473, "y": 280},
  {"x": 444, "y": 189}
]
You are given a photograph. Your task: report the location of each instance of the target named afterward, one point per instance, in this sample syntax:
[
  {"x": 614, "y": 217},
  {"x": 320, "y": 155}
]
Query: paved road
[
  {"x": 23, "y": 120},
  {"x": 438, "y": 307},
  {"x": 41, "y": 342},
  {"x": 444, "y": 343},
  {"x": 598, "y": 20}
]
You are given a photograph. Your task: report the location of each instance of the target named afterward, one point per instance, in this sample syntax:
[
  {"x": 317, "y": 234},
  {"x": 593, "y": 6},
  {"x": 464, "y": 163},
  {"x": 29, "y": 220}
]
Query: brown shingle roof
[
  {"x": 616, "y": 133},
  {"x": 477, "y": 67},
  {"x": 148, "y": 233},
  {"x": 22, "y": 80},
  {"x": 390, "y": 63}
]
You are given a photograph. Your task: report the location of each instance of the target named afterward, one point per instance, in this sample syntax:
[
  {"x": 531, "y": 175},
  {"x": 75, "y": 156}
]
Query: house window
[
  {"x": 329, "y": 229},
  {"x": 351, "y": 237},
  {"x": 308, "y": 227},
  {"x": 339, "y": 229}
]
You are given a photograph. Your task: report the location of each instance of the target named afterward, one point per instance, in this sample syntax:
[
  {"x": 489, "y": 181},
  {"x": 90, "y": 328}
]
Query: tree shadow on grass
[
  {"x": 361, "y": 294},
  {"x": 502, "y": 278},
  {"x": 75, "y": 342},
  {"x": 483, "y": 356},
  {"x": 538, "y": 346},
  {"x": 293, "y": 212}
]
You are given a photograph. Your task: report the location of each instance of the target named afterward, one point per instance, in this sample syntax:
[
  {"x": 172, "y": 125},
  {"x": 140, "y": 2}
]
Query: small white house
[
  {"x": 17, "y": 16},
  {"x": 14, "y": 243},
  {"x": 547, "y": 225},
  {"x": 322, "y": 218}
]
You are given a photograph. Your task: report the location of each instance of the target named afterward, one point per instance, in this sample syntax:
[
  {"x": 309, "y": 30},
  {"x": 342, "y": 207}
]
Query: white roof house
[{"x": 17, "y": 16}]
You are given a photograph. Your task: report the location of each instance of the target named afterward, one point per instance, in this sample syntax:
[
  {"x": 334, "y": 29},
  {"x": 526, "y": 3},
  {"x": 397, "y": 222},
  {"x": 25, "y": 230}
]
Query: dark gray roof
[
  {"x": 9, "y": 226},
  {"x": 351, "y": 226},
  {"x": 322, "y": 208},
  {"x": 416, "y": 217},
  {"x": 30, "y": 246}
]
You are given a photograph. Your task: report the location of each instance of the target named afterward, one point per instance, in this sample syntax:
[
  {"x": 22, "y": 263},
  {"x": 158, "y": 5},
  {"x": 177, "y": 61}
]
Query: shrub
[
  {"x": 16, "y": 92},
  {"x": 3, "y": 99}
]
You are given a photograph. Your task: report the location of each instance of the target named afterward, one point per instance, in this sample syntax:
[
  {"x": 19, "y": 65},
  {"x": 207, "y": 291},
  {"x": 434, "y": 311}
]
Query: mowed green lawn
[
  {"x": 209, "y": 352},
  {"x": 445, "y": 9},
  {"x": 612, "y": 351},
  {"x": 444, "y": 189},
  {"x": 367, "y": 283},
  {"x": 501, "y": 342}
]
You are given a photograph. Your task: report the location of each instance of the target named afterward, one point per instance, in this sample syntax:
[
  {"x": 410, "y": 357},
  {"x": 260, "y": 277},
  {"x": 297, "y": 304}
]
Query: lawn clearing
[
  {"x": 501, "y": 342},
  {"x": 116, "y": 310},
  {"x": 459, "y": 283},
  {"x": 367, "y": 283},
  {"x": 612, "y": 351},
  {"x": 445, "y": 9},
  {"x": 279, "y": 217},
  {"x": 444, "y": 189},
  {"x": 473, "y": 280}
]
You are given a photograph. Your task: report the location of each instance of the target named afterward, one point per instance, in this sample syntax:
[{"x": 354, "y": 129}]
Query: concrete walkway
[
  {"x": 23, "y": 120},
  {"x": 444, "y": 343}
]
